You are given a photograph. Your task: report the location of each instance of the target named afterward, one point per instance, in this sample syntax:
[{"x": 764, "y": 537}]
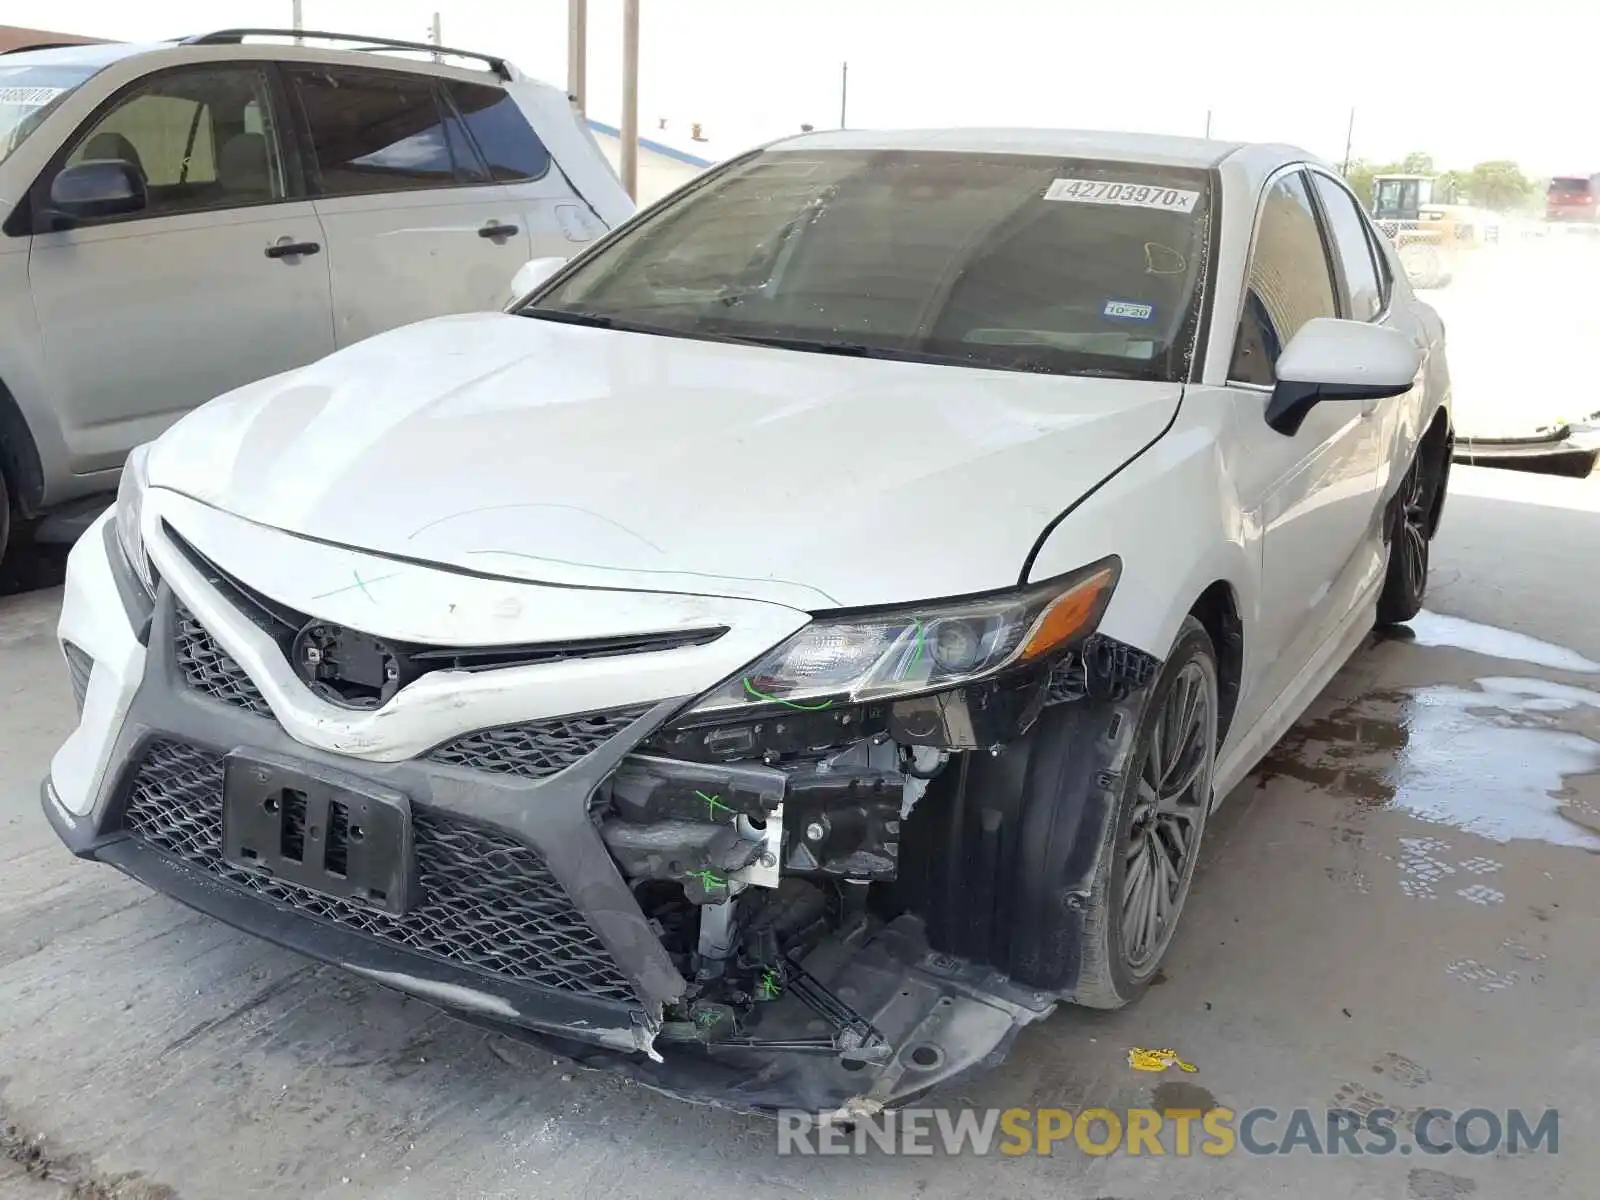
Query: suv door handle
[
  {"x": 494, "y": 229},
  {"x": 284, "y": 248}
]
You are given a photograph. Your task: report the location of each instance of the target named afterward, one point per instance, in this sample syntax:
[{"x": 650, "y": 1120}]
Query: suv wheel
[{"x": 5, "y": 514}]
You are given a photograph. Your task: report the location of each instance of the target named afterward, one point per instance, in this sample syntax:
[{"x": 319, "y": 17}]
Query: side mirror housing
[
  {"x": 96, "y": 189},
  {"x": 1332, "y": 359},
  {"x": 530, "y": 275}
]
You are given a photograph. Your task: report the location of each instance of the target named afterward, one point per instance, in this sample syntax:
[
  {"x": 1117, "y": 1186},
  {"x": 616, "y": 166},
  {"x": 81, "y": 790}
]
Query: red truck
[{"x": 1572, "y": 198}]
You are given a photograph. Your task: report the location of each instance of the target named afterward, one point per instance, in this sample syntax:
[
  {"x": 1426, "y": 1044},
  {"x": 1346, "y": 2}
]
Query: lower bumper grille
[{"x": 488, "y": 901}]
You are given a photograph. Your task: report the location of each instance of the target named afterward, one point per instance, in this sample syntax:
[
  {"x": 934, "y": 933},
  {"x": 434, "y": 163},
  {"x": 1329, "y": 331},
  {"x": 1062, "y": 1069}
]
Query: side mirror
[
  {"x": 1331, "y": 359},
  {"x": 99, "y": 188},
  {"x": 531, "y": 274}
]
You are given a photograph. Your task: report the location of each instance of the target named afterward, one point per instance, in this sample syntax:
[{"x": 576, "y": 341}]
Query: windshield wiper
[
  {"x": 847, "y": 349},
  {"x": 596, "y": 320}
]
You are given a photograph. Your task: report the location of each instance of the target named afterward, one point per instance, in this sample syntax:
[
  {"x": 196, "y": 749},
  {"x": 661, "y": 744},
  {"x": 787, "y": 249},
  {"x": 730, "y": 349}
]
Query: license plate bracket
[{"x": 337, "y": 835}]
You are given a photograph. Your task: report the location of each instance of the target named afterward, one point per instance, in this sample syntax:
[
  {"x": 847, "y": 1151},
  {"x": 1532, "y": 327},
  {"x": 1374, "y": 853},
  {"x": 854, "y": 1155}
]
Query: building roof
[{"x": 15, "y": 37}]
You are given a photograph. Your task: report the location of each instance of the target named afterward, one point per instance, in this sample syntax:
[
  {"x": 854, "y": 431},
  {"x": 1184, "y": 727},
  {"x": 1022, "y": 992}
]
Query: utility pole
[
  {"x": 1208, "y": 122},
  {"x": 436, "y": 36},
  {"x": 1349, "y": 140},
  {"x": 578, "y": 51},
  {"x": 630, "y": 97},
  {"x": 844, "y": 91},
  {"x": 298, "y": 21}
]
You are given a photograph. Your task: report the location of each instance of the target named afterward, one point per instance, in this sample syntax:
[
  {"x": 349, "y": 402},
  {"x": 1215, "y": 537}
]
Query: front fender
[{"x": 1174, "y": 518}]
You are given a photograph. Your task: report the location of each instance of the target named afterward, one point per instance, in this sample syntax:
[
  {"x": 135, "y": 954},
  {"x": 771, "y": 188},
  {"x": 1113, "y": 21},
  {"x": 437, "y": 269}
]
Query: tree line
[{"x": 1499, "y": 184}]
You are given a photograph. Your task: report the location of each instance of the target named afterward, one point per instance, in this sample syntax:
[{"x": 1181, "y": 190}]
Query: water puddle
[
  {"x": 1492, "y": 758},
  {"x": 1436, "y": 629}
]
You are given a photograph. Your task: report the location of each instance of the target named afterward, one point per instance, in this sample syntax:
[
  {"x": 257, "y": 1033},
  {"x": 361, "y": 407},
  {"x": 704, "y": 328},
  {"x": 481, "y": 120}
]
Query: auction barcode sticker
[
  {"x": 1130, "y": 195},
  {"x": 29, "y": 97}
]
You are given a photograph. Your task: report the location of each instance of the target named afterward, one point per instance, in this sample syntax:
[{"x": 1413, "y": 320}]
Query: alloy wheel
[
  {"x": 1174, "y": 794},
  {"x": 1413, "y": 531}
]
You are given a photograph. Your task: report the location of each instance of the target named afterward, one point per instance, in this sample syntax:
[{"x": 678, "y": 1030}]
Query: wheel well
[
  {"x": 19, "y": 457},
  {"x": 1218, "y": 610}
]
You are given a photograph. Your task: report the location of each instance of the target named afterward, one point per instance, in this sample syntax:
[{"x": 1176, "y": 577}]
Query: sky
[{"x": 1465, "y": 80}]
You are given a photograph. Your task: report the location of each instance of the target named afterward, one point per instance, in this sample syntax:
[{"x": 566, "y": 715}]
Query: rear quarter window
[{"x": 502, "y": 134}]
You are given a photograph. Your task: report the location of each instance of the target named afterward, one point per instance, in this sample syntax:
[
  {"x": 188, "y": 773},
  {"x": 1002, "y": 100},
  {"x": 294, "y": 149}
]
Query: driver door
[
  {"x": 147, "y": 315},
  {"x": 1313, "y": 495}
]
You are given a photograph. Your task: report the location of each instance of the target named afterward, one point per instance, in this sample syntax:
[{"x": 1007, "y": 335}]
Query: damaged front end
[
  {"x": 770, "y": 832},
  {"x": 778, "y": 894}
]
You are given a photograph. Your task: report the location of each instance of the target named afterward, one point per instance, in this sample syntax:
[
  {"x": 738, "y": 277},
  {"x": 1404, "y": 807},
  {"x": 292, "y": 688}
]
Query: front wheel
[{"x": 1149, "y": 848}]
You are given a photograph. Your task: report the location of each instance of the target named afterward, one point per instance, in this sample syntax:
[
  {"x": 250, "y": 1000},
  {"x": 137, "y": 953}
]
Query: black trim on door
[{"x": 24, "y": 220}]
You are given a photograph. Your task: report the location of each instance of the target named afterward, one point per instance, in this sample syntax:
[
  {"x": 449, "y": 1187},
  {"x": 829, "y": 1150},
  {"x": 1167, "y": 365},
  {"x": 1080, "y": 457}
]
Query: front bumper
[{"x": 524, "y": 923}]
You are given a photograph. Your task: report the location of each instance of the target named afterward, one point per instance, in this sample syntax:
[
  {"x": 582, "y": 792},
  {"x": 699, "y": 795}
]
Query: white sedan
[{"x": 803, "y": 640}]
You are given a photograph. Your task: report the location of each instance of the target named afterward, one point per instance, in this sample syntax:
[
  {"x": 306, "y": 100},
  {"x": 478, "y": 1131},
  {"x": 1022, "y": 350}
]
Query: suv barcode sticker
[
  {"x": 1131, "y": 195},
  {"x": 29, "y": 97}
]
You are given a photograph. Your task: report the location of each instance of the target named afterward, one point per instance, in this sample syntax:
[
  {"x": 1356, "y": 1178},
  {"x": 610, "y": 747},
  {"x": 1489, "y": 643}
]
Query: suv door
[
  {"x": 147, "y": 315},
  {"x": 1316, "y": 491},
  {"x": 417, "y": 224}
]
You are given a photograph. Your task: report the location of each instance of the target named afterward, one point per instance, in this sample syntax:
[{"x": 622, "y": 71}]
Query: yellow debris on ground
[{"x": 1157, "y": 1060}]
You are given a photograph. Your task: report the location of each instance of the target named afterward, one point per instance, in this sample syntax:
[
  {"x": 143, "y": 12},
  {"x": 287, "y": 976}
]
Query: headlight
[
  {"x": 848, "y": 660},
  {"x": 130, "y": 514}
]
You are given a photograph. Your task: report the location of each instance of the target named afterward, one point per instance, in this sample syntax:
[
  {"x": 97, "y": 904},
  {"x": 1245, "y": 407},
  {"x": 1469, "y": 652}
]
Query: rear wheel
[
  {"x": 1406, "y": 582},
  {"x": 1148, "y": 851}
]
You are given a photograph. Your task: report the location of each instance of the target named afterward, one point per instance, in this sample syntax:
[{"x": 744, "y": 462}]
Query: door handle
[
  {"x": 495, "y": 229},
  {"x": 285, "y": 248}
]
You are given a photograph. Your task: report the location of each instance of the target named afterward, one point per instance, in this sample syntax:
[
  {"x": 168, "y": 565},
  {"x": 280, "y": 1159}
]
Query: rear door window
[
  {"x": 376, "y": 131},
  {"x": 501, "y": 133},
  {"x": 1348, "y": 229}
]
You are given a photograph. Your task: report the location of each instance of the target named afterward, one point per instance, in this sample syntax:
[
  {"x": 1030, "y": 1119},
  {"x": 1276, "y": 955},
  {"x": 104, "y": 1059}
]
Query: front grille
[
  {"x": 536, "y": 749},
  {"x": 487, "y": 901},
  {"x": 210, "y": 670}
]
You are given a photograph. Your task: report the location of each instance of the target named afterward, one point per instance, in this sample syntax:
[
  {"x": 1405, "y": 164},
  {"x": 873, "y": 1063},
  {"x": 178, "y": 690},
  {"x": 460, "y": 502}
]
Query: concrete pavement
[{"x": 1398, "y": 909}]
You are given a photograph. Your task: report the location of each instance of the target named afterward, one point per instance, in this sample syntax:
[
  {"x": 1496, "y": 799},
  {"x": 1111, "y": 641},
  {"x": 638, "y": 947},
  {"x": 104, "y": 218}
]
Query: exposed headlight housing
[
  {"x": 910, "y": 651},
  {"x": 130, "y": 515}
]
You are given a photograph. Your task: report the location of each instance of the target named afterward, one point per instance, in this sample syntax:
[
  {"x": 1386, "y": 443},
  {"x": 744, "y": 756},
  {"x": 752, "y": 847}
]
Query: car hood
[{"x": 561, "y": 454}]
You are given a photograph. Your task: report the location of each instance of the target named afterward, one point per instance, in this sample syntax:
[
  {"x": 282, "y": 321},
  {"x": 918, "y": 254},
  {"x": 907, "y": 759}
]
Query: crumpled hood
[{"x": 563, "y": 454}]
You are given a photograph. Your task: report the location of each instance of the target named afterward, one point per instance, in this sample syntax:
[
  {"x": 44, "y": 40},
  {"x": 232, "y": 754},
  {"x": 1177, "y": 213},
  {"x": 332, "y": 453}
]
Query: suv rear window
[
  {"x": 378, "y": 131},
  {"x": 1004, "y": 261}
]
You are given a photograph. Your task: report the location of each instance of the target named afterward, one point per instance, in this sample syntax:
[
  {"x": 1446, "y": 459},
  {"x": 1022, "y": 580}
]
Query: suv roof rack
[{"x": 225, "y": 37}]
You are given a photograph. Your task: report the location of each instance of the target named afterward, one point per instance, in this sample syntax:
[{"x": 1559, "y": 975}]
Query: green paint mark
[
  {"x": 760, "y": 695},
  {"x": 916, "y": 651},
  {"x": 769, "y": 984},
  {"x": 712, "y": 804},
  {"x": 709, "y": 879}
]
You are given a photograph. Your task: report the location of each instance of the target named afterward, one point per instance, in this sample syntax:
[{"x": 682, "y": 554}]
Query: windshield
[
  {"x": 1004, "y": 261},
  {"x": 27, "y": 94},
  {"x": 1569, "y": 187}
]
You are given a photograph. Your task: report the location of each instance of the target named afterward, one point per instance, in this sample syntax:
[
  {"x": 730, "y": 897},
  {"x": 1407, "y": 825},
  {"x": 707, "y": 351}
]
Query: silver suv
[{"x": 182, "y": 218}]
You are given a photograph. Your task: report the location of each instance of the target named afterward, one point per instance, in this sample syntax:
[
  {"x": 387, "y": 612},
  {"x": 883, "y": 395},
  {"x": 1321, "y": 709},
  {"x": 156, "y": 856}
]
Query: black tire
[
  {"x": 5, "y": 514},
  {"x": 1111, "y": 974},
  {"x": 1411, "y": 525}
]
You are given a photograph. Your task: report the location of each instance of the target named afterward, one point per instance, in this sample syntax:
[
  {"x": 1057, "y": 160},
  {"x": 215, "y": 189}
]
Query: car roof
[
  {"x": 1255, "y": 160},
  {"x": 103, "y": 54}
]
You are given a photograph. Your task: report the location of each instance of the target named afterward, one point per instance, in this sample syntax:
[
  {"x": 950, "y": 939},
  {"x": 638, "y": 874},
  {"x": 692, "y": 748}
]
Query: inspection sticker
[
  {"x": 1128, "y": 310},
  {"x": 29, "y": 97},
  {"x": 1129, "y": 195}
]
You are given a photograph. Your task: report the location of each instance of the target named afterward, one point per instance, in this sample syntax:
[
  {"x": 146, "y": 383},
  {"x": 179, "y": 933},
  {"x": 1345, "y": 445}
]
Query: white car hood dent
[{"x": 560, "y": 454}]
